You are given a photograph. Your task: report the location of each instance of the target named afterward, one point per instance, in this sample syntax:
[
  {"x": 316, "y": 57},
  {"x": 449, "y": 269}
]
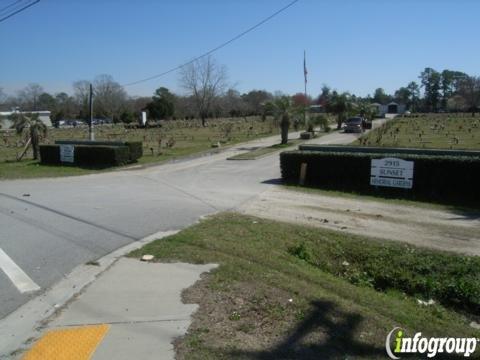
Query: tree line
[{"x": 207, "y": 95}]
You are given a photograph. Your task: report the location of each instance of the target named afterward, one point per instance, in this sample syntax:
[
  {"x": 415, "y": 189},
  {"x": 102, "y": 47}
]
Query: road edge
[{"x": 19, "y": 328}]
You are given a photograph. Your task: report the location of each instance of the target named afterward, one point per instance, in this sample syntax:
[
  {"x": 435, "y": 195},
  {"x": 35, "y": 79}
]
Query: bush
[
  {"x": 453, "y": 280},
  {"x": 88, "y": 155},
  {"x": 322, "y": 121},
  {"x": 449, "y": 179},
  {"x": 50, "y": 154},
  {"x": 136, "y": 150},
  {"x": 306, "y": 135}
]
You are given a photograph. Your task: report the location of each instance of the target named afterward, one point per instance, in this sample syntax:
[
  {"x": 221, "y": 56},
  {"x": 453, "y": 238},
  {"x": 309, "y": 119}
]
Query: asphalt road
[{"x": 49, "y": 226}]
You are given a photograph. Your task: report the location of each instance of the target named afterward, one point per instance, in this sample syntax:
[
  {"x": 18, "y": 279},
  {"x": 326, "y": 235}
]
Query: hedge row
[
  {"x": 448, "y": 179},
  {"x": 387, "y": 150},
  {"x": 136, "y": 150},
  {"x": 87, "y": 155},
  {"x": 135, "y": 147}
]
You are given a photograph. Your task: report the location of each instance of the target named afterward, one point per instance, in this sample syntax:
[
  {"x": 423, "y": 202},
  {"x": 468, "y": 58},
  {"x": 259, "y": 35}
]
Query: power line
[
  {"x": 217, "y": 47},
  {"x": 19, "y": 10},
  {"x": 10, "y": 5}
]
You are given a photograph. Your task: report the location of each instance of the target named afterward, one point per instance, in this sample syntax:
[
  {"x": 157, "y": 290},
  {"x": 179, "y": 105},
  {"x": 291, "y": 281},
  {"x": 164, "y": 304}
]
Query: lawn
[
  {"x": 287, "y": 291},
  {"x": 174, "y": 139},
  {"x": 439, "y": 131}
]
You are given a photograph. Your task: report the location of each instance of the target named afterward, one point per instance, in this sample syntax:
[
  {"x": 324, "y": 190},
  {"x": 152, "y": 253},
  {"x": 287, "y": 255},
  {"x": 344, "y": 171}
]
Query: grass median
[{"x": 286, "y": 291}]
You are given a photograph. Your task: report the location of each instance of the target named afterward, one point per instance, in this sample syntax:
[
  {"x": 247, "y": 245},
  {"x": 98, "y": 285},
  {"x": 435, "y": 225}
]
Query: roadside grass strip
[{"x": 291, "y": 291}]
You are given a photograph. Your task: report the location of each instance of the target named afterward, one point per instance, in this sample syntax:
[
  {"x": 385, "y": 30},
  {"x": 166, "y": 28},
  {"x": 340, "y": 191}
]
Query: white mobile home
[{"x": 6, "y": 123}]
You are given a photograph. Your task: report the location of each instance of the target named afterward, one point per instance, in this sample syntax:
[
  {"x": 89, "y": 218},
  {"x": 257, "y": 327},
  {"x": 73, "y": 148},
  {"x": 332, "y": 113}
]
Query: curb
[{"x": 21, "y": 327}]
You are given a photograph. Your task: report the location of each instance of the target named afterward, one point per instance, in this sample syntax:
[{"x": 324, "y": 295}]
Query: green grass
[
  {"x": 264, "y": 151},
  {"x": 27, "y": 169},
  {"x": 189, "y": 138},
  {"x": 286, "y": 291},
  {"x": 436, "y": 131}
]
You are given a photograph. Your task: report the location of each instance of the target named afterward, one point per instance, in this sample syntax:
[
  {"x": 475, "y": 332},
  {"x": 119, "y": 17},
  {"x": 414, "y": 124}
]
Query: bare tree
[
  {"x": 110, "y": 97},
  {"x": 29, "y": 95},
  {"x": 205, "y": 80},
  {"x": 184, "y": 106},
  {"x": 81, "y": 91},
  {"x": 232, "y": 104}
]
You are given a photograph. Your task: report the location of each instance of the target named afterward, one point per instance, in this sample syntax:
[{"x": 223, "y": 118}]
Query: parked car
[{"x": 354, "y": 125}]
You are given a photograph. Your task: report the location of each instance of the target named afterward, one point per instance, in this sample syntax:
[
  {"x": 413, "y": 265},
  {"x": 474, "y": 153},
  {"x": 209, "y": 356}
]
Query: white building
[
  {"x": 6, "y": 123},
  {"x": 390, "y": 108}
]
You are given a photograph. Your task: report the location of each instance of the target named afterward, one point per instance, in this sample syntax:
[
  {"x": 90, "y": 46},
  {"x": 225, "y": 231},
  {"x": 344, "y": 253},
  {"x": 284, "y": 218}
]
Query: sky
[{"x": 351, "y": 45}]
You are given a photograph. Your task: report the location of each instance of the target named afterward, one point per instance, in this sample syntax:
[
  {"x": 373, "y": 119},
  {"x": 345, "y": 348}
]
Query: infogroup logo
[{"x": 397, "y": 343}]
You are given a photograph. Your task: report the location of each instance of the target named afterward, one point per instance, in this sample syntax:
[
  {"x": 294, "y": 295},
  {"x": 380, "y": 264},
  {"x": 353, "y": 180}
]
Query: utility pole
[
  {"x": 90, "y": 124},
  {"x": 305, "y": 72}
]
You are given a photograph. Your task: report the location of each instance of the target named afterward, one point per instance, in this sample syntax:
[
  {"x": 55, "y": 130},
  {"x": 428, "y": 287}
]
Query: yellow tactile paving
[{"x": 68, "y": 344}]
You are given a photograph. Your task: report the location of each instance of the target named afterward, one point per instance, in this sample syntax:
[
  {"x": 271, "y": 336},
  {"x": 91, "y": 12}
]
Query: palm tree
[
  {"x": 282, "y": 108},
  {"x": 366, "y": 110},
  {"x": 35, "y": 126},
  {"x": 340, "y": 105}
]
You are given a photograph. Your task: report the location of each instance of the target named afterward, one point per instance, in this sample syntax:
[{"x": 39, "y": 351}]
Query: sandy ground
[{"x": 449, "y": 230}]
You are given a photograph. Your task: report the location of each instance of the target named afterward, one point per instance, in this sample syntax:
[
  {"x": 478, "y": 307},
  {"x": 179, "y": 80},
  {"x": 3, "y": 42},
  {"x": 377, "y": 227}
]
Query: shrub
[
  {"x": 50, "y": 154},
  {"x": 301, "y": 251},
  {"x": 136, "y": 150},
  {"x": 322, "y": 121},
  {"x": 306, "y": 135},
  {"x": 88, "y": 155},
  {"x": 450, "y": 179},
  {"x": 453, "y": 280}
]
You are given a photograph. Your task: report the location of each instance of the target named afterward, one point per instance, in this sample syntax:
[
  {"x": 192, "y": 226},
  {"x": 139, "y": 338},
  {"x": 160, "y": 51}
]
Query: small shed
[{"x": 390, "y": 108}]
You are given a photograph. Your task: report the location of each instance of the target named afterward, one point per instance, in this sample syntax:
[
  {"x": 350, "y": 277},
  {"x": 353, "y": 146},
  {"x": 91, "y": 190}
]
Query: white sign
[
  {"x": 67, "y": 153},
  {"x": 144, "y": 118},
  {"x": 392, "y": 172}
]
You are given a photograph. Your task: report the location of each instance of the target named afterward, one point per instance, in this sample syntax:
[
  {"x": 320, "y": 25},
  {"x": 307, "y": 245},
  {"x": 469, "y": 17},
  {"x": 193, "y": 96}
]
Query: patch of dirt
[
  {"x": 240, "y": 317},
  {"x": 447, "y": 230},
  {"x": 245, "y": 320}
]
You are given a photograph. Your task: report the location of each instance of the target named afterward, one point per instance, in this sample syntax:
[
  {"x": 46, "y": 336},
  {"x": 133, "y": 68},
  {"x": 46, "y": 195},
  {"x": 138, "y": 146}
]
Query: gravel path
[{"x": 448, "y": 230}]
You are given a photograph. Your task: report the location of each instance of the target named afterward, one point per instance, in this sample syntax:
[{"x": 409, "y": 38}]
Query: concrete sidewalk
[{"x": 119, "y": 317}]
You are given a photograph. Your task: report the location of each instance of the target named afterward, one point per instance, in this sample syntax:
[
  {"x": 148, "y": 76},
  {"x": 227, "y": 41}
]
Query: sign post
[{"x": 391, "y": 172}]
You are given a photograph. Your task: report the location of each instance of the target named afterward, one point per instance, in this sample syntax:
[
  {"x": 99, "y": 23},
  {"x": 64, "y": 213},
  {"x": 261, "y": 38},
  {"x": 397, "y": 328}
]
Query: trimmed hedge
[
  {"x": 389, "y": 150},
  {"x": 136, "y": 150},
  {"x": 136, "y": 147},
  {"x": 449, "y": 179},
  {"x": 87, "y": 155},
  {"x": 101, "y": 155},
  {"x": 49, "y": 154}
]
